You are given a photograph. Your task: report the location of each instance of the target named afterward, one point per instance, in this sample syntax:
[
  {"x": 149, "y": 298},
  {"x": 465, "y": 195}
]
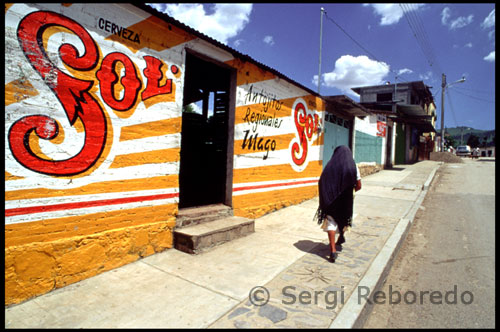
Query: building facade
[
  {"x": 116, "y": 117},
  {"x": 410, "y": 115}
]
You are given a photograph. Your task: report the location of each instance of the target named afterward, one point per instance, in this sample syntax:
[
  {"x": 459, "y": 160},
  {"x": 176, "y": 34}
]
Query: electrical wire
[
  {"x": 473, "y": 97},
  {"x": 362, "y": 47},
  {"x": 475, "y": 91},
  {"x": 451, "y": 107},
  {"x": 415, "y": 24}
]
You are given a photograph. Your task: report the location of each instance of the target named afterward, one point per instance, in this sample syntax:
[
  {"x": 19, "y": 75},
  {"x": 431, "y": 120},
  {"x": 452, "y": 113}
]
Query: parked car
[{"x": 463, "y": 150}]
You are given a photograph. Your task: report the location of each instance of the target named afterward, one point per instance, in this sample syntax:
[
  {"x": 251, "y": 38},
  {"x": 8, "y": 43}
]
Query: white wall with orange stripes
[{"x": 93, "y": 114}]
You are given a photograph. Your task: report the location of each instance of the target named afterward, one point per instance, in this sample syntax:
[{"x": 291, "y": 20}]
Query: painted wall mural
[
  {"x": 74, "y": 94},
  {"x": 93, "y": 118}
]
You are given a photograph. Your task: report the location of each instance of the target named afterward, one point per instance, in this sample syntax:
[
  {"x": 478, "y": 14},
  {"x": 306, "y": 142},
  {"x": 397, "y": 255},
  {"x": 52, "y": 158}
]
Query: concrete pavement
[{"x": 278, "y": 276}]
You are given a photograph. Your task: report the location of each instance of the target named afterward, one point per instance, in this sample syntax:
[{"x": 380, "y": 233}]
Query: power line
[
  {"x": 361, "y": 46},
  {"x": 473, "y": 97},
  {"x": 451, "y": 107},
  {"x": 417, "y": 27},
  {"x": 475, "y": 91},
  {"x": 420, "y": 34}
]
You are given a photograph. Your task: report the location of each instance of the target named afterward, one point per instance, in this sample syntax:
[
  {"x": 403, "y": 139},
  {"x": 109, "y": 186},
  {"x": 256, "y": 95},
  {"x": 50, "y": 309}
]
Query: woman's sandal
[{"x": 333, "y": 257}]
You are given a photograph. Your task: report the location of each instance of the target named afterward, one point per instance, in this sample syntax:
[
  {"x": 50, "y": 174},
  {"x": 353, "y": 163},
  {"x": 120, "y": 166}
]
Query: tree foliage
[{"x": 473, "y": 141}]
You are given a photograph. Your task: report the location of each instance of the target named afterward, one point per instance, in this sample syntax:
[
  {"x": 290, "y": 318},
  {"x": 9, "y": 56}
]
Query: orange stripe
[
  {"x": 151, "y": 129},
  {"x": 249, "y": 72},
  {"x": 9, "y": 177},
  {"x": 244, "y": 113},
  {"x": 150, "y": 157},
  {"x": 155, "y": 34},
  {"x": 276, "y": 173},
  {"x": 85, "y": 204},
  {"x": 152, "y": 183},
  {"x": 19, "y": 90},
  {"x": 60, "y": 228},
  {"x": 7, "y": 6},
  {"x": 275, "y": 185},
  {"x": 258, "y": 204},
  {"x": 282, "y": 143}
]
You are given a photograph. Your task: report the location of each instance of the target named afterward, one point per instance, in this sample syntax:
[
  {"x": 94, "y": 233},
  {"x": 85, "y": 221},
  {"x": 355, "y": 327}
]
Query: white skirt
[{"x": 329, "y": 224}]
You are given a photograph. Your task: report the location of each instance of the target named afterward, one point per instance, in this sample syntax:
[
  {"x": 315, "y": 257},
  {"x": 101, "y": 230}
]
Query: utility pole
[
  {"x": 443, "y": 87},
  {"x": 320, "y": 42}
]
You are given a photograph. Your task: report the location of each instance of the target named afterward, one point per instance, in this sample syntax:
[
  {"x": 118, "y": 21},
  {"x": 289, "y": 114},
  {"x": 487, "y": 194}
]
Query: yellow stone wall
[{"x": 91, "y": 168}]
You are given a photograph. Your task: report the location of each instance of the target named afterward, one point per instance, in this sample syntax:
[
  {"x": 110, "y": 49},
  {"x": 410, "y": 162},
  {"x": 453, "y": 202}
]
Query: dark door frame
[{"x": 228, "y": 195}]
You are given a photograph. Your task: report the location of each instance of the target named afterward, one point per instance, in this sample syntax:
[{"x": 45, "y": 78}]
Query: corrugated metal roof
[
  {"x": 346, "y": 104},
  {"x": 169, "y": 19}
]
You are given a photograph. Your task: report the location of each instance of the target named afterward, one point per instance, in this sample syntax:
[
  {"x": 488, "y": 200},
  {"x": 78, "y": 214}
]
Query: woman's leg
[{"x": 331, "y": 237}]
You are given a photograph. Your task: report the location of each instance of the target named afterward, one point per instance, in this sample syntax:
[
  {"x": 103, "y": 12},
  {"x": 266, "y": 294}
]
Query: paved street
[
  {"x": 451, "y": 244},
  {"x": 278, "y": 276}
]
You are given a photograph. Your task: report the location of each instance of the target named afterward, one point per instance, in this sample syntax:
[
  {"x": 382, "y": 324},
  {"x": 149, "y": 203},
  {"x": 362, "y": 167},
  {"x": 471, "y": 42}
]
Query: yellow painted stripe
[
  {"x": 19, "y": 90},
  {"x": 258, "y": 204},
  {"x": 282, "y": 143},
  {"x": 243, "y": 113},
  {"x": 9, "y": 177},
  {"x": 151, "y": 129},
  {"x": 7, "y": 6},
  {"x": 276, "y": 173},
  {"x": 155, "y": 34},
  {"x": 149, "y": 157},
  {"x": 249, "y": 72},
  {"x": 59, "y": 228},
  {"x": 152, "y": 183}
]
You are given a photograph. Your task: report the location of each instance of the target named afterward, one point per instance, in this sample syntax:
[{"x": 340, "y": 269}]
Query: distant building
[{"x": 409, "y": 112}]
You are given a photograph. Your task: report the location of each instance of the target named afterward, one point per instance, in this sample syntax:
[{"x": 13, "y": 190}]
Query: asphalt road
[{"x": 445, "y": 270}]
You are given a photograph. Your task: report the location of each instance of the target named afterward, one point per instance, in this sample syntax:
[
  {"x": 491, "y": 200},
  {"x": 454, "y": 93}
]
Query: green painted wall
[
  {"x": 335, "y": 135},
  {"x": 368, "y": 148}
]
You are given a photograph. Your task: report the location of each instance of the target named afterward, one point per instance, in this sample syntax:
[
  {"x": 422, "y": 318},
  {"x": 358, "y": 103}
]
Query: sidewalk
[{"x": 284, "y": 263}]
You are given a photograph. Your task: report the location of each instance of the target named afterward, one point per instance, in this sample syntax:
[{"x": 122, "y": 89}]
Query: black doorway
[{"x": 206, "y": 161}]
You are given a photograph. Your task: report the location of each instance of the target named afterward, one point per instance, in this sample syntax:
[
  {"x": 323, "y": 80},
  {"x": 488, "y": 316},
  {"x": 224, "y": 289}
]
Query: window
[{"x": 384, "y": 97}]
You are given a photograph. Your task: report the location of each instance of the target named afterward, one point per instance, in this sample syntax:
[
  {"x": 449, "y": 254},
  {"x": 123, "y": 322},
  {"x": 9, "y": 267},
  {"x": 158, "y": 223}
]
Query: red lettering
[
  {"x": 300, "y": 117},
  {"x": 154, "y": 75},
  {"x": 108, "y": 79},
  {"x": 75, "y": 94},
  {"x": 72, "y": 93},
  {"x": 306, "y": 125}
]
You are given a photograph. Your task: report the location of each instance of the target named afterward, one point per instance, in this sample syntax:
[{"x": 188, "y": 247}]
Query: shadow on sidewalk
[{"x": 317, "y": 248}]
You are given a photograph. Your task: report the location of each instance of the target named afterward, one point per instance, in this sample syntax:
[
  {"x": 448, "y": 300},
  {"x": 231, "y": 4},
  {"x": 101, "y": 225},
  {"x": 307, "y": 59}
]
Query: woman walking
[{"x": 337, "y": 183}]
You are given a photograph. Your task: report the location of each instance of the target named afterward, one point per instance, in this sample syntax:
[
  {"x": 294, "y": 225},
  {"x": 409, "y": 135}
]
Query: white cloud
[
  {"x": 426, "y": 76},
  {"x": 491, "y": 35},
  {"x": 405, "y": 71},
  {"x": 445, "y": 15},
  {"x": 269, "y": 40},
  {"x": 469, "y": 45},
  {"x": 226, "y": 21},
  {"x": 391, "y": 13},
  {"x": 461, "y": 22},
  {"x": 490, "y": 57},
  {"x": 350, "y": 72},
  {"x": 238, "y": 42},
  {"x": 457, "y": 23},
  {"x": 489, "y": 21}
]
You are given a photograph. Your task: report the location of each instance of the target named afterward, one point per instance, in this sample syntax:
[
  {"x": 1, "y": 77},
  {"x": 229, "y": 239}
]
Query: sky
[{"x": 366, "y": 44}]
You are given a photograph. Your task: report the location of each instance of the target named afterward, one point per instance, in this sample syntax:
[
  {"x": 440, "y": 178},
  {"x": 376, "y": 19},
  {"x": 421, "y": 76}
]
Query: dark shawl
[{"x": 336, "y": 185}]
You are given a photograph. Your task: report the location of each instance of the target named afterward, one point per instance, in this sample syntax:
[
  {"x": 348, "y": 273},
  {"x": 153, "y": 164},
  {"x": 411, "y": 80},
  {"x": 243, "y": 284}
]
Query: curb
[{"x": 354, "y": 313}]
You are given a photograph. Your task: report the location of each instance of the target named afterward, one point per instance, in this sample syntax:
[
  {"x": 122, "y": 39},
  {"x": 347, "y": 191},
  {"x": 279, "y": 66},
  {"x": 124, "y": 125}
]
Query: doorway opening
[{"x": 205, "y": 175}]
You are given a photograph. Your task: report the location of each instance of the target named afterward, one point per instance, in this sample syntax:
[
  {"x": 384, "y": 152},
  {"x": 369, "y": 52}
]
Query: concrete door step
[
  {"x": 198, "y": 238},
  {"x": 200, "y": 214}
]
